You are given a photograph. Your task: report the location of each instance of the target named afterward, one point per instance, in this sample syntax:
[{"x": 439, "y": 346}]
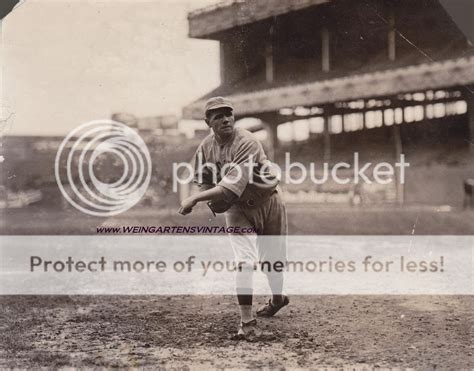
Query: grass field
[{"x": 302, "y": 220}]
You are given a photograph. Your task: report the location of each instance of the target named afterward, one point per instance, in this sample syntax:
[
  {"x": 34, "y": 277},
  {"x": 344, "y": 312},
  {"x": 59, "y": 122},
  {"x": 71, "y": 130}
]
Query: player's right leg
[{"x": 244, "y": 247}]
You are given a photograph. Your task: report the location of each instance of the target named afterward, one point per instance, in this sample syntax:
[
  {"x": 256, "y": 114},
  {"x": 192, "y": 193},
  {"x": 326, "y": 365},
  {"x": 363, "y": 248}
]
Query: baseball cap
[{"x": 218, "y": 102}]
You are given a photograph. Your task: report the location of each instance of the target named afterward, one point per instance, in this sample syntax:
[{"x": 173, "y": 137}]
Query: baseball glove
[{"x": 219, "y": 207}]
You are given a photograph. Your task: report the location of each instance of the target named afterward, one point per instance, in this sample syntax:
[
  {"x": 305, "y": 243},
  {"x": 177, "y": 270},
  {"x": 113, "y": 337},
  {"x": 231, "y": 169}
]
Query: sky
[{"x": 66, "y": 62}]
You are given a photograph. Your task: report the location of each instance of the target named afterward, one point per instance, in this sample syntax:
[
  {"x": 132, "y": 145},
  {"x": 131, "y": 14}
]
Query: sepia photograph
[{"x": 238, "y": 184}]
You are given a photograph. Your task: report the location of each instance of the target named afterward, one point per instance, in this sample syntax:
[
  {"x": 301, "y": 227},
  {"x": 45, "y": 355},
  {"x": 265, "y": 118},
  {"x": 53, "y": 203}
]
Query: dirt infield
[
  {"x": 357, "y": 332},
  {"x": 423, "y": 332}
]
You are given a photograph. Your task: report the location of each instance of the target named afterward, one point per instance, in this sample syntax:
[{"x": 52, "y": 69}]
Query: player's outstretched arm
[{"x": 213, "y": 194}]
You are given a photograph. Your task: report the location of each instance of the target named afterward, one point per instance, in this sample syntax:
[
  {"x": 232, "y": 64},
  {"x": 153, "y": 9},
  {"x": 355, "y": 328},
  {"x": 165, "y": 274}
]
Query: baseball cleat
[
  {"x": 248, "y": 331},
  {"x": 270, "y": 309}
]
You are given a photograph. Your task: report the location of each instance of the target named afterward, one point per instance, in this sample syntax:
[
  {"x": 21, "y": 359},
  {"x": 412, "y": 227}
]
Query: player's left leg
[{"x": 272, "y": 249}]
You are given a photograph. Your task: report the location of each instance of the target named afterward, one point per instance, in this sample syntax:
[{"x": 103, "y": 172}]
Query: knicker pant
[{"x": 265, "y": 249}]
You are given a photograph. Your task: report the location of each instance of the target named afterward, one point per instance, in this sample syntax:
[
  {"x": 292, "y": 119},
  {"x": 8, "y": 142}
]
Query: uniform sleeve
[
  {"x": 229, "y": 196},
  {"x": 203, "y": 175},
  {"x": 248, "y": 154}
]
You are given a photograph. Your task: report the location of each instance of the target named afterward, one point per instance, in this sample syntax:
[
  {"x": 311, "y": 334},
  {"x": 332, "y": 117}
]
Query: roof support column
[
  {"x": 397, "y": 141},
  {"x": 272, "y": 139},
  {"x": 222, "y": 65},
  {"x": 364, "y": 124},
  {"x": 469, "y": 96},
  {"x": 325, "y": 50},
  {"x": 327, "y": 134},
  {"x": 269, "y": 68},
  {"x": 391, "y": 38}
]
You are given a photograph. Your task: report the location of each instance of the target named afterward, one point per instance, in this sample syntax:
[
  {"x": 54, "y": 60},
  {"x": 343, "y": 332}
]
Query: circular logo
[{"x": 103, "y": 168}]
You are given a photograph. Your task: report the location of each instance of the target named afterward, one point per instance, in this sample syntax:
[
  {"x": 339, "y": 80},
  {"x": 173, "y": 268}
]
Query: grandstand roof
[
  {"x": 433, "y": 75},
  {"x": 205, "y": 22}
]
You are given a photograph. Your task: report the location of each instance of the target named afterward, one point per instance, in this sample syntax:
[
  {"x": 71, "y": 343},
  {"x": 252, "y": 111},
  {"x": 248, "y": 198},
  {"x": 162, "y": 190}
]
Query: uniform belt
[{"x": 256, "y": 202}]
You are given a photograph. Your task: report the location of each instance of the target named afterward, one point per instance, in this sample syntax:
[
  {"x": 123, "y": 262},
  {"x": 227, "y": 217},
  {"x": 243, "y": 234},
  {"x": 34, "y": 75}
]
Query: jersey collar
[{"x": 227, "y": 140}]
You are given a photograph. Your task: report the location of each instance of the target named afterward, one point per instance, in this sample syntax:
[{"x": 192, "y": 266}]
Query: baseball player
[{"x": 249, "y": 198}]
